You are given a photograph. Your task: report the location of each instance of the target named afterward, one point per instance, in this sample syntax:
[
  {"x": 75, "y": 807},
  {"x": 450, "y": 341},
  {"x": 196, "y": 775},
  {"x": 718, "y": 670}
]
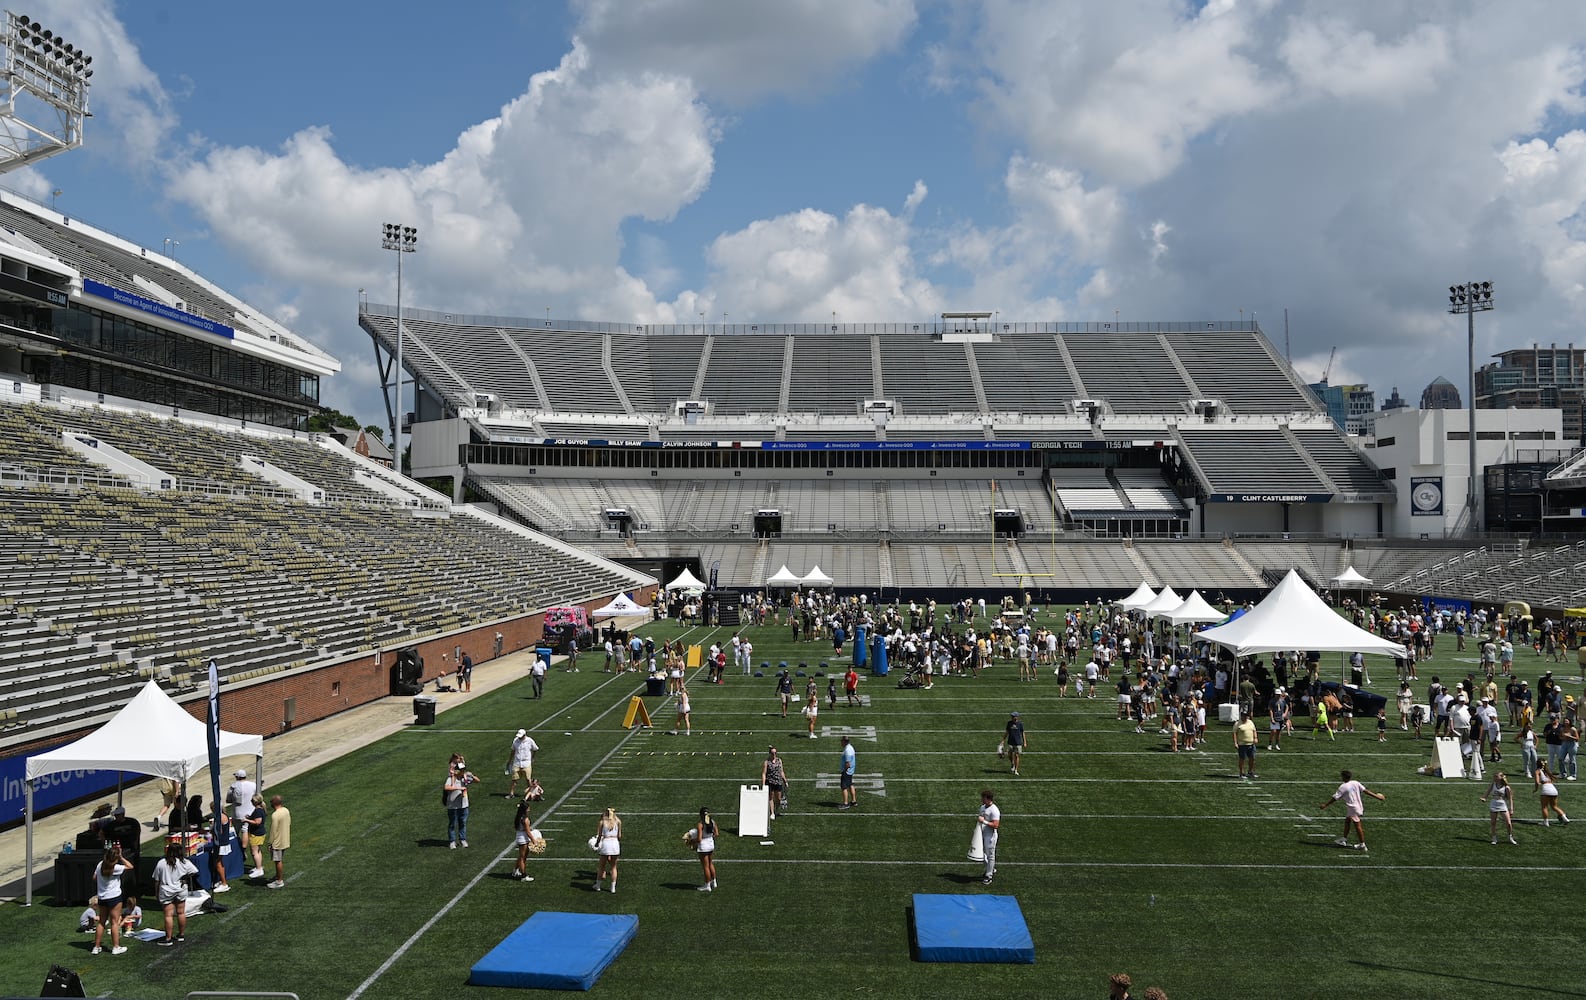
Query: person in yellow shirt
[
  {"x": 1245, "y": 746},
  {"x": 280, "y": 838}
]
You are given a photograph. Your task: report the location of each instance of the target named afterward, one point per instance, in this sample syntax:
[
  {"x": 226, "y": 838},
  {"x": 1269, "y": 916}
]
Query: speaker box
[{"x": 62, "y": 983}]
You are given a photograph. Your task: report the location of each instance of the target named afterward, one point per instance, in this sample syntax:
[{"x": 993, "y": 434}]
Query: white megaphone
[{"x": 977, "y": 846}]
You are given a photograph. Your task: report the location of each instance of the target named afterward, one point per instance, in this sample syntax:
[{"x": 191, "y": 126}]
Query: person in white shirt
[
  {"x": 521, "y": 762},
  {"x": 239, "y": 798},
  {"x": 990, "y": 820},
  {"x": 170, "y": 882}
]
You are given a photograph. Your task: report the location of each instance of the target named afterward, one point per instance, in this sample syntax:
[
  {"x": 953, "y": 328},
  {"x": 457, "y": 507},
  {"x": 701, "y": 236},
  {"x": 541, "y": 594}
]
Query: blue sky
[{"x": 883, "y": 160}]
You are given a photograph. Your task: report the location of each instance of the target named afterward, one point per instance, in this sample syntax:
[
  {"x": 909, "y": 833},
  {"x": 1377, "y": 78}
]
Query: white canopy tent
[
  {"x": 151, "y": 735},
  {"x": 686, "y": 581},
  {"x": 1350, "y": 578},
  {"x": 1194, "y": 609},
  {"x": 1142, "y": 596},
  {"x": 1292, "y": 617},
  {"x": 815, "y": 578},
  {"x": 621, "y": 606},
  {"x": 1162, "y": 603},
  {"x": 783, "y": 577}
]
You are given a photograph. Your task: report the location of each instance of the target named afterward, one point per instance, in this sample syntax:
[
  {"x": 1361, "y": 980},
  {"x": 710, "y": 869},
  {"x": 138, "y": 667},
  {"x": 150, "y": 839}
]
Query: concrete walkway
[{"x": 285, "y": 756}]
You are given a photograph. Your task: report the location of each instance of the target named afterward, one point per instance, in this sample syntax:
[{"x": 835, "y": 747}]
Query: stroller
[{"x": 913, "y": 676}]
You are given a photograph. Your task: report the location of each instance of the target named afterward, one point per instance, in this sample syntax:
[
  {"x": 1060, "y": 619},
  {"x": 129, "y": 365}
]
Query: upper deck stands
[
  {"x": 1238, "y": 368},
  {"x": 1022, "y": 367},
  {"x": 927, "y": 376},
  {"x": 1133, "y": 373},
  {"x": 830, "y": 374},
  {"x": 745, "y": 374},
  {"x": 1025, "y": 373}
]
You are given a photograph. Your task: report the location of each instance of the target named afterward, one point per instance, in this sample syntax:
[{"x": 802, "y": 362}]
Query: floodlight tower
[
  {"x": 1470, "y": 299},
  {"x": 48, "y": 77},
  {"x": 403, "y": 240}
]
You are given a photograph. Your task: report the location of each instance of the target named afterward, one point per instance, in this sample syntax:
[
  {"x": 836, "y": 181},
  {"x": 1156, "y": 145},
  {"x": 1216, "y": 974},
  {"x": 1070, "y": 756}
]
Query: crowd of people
[{"x": 114, "y": 909}]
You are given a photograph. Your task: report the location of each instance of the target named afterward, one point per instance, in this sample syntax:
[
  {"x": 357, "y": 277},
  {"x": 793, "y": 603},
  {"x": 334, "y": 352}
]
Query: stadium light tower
[
  {"x": 402, "y": 240},
  {"x": 1470, "y": 299},
  {"x": 48, "y": 78}
]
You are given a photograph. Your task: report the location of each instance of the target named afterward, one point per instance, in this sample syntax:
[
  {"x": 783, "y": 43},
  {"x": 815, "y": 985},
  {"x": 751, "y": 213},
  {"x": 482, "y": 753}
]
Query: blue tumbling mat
[
  {"x": 556, "y": 951},
  {"x": 972, "y": 929}
]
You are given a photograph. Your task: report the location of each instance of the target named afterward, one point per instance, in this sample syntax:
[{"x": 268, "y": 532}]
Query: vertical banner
[
  {"x": 212, "y": 734},
  {"x": 715, "y": 568}
]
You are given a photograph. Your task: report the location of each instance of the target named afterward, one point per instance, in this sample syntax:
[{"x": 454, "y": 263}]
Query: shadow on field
[
  {"x": 432, "y": 842},
  {"x": 681, "y": 886},
  {"x": 1443, "y": 973},
  {"x": 914, "y": 943},
  {"x": 958, "y": 879}
]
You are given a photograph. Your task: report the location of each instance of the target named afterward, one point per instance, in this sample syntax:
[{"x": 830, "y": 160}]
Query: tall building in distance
[
  {"x": 1537, "y": 378},
  {"x": 1441, "y": 394},
  {"x": 1350, "y": 406}
]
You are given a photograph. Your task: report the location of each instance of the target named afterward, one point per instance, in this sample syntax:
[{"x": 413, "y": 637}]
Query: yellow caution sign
[
  {"x": 696, "y": 656},
  {"x": 636, "y": 710}
]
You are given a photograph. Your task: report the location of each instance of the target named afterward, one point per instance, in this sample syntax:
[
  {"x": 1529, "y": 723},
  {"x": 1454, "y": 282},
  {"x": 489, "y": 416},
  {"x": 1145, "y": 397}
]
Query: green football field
[{"x": 1123, "y": 857}]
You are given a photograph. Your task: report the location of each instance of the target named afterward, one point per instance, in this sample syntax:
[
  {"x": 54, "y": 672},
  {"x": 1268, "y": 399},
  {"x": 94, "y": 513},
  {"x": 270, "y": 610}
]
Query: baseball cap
[
  {"x": 241, "y": 773},
  {"x": 522, "y": 733},
  {"x": 1013, "y": 714}
]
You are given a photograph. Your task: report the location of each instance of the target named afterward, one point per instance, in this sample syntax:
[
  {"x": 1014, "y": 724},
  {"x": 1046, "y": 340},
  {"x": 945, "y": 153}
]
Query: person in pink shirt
[{"x": 1351, "y": 792}]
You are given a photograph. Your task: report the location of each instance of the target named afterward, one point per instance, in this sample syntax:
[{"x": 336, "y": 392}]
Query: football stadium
[{"x": 936, "y": 584}]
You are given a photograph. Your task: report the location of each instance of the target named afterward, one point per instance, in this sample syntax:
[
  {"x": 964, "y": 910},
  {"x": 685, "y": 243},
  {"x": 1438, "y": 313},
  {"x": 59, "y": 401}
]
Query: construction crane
[{"x": 1329, "y": 369}]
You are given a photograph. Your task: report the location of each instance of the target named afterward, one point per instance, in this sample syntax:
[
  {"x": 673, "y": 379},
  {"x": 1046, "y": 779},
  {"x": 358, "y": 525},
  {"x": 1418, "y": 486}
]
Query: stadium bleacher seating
[{"x": 102, "y": 585}]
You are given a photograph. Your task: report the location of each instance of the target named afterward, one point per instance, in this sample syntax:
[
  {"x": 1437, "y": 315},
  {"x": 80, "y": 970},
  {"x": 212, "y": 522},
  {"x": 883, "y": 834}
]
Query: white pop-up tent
[
  {"x": 1350, "y": 578},
  {"x": 686, "y": 581},
  {"x": 151, "y": 735},
  {"x": 1292, "y": 617},
  {"x": 1142, "y": 596},
  {"x": 1194, "y": 609},
  {"x": 621, "y": 606},
  {"x": 1162, "y": 603},
  {"x": 783, "y": 577},
  {"x": 815, "y": 578}
]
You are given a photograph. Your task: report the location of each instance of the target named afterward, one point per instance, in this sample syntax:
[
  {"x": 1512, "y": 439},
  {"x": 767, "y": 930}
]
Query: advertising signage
[
  {"x": 838, "y": 445},
  {"x": 156, "y": 308}
]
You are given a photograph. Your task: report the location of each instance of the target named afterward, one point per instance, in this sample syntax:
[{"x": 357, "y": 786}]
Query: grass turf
[{"x": 1123, "y": 856}]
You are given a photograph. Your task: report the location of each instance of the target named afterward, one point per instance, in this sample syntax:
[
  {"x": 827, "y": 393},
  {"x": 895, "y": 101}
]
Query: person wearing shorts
[
  {"x": 1352, "y": 792},
  {"x": 170, "y": 880},
  {"x": 812, "y": 708},
  {"x": 520, "y": 762},
  {"x": 608, "y": 844},
  {"x": 784, "y": 689},
  {"x": 845, "y": 776},
  {"x": 253, "y": 835},
  {"x": 108, "y": 874},
  {"x": 1500, "y": 802},
  {"x": 280, "y": 838},
  {"x": 703, "y": 837},
  {"x": 523, "y": 828},
  {"x": 1014, "y": 739},
  {"x": 1278, "y": 718},
  {"x": 773, "y": 775},
  {"x": 1245, "y": 746}
]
